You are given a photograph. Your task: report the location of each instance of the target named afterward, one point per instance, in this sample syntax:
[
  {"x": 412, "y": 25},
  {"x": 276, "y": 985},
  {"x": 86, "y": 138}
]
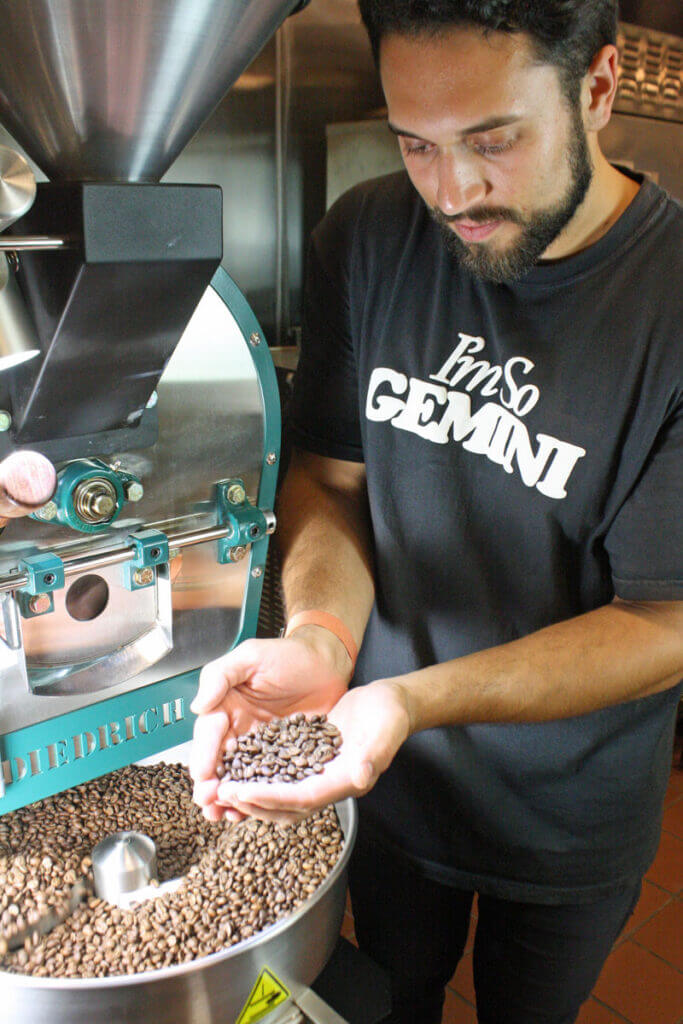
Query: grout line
[
  {"x": 611, "y": 1009},
  {"x": 656, "y": 955},
  {"x": 460, "y": 996}
]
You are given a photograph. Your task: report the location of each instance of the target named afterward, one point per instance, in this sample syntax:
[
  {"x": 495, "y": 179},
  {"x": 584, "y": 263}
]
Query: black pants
[{"x": 533, "y": 964}]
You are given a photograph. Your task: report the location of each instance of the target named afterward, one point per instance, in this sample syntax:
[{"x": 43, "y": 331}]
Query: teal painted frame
[{"x": 55, "y": 764}]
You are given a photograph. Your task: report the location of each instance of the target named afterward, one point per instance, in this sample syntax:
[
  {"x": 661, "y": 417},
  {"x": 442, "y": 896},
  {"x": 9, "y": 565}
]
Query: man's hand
[
  {"x": 373, "y": 721},
  {"x": 260, "y": 680}
]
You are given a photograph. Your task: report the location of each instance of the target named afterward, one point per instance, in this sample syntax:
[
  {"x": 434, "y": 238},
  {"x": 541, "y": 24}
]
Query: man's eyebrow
[{"x": 476, "y": 129}]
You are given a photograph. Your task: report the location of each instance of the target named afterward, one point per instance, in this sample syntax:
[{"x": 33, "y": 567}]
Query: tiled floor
[{"x": 642, "y": 981}]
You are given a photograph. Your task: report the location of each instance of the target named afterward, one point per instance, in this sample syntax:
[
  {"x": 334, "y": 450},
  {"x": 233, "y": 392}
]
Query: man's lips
[{"x": 470, "y": 231}]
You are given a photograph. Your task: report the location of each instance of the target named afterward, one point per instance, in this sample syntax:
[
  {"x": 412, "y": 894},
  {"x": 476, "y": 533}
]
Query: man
[{"x": 486, "y": 500}]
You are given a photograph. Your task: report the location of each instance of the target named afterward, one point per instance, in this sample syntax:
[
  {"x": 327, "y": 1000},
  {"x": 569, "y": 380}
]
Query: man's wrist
[{"x": 328, "y": 645}]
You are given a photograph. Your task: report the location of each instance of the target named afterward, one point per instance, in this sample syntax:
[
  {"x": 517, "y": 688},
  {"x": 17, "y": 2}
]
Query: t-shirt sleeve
[
  {"x": 645, "y": 541},
  {"x": 324, "y": 416}
]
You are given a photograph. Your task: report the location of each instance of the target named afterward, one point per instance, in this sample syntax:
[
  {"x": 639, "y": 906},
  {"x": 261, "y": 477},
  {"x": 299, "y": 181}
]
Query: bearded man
[{"x": 485, "y": 500}]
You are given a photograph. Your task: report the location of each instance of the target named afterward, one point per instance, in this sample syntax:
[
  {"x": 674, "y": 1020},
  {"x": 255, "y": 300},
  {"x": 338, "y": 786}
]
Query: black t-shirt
[{"x": 522, "y": 446}]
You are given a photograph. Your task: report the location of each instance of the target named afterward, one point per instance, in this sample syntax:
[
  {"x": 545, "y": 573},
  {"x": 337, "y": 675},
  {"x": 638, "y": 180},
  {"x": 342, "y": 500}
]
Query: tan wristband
[{"x": 327, "y": 621}]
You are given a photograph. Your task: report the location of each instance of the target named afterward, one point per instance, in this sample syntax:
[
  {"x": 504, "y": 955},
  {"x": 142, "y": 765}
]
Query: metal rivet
[
  {"x": 236, "y": 494},
  {"x": 5, "y": 420},
  {"x": 39, "y": 604},
  {"x": 254, "y": 338},
  {"x": 271, "y": 458},
  {"x": 257, "y": 571},
  {"x": 143, "y": 577}
]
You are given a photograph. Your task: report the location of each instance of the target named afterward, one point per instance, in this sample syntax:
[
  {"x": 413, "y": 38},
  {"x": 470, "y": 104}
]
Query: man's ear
[{"x": 599, "y": 88}]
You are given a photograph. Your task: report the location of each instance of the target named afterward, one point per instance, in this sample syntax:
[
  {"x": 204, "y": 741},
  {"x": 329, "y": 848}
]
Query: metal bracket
[
  {"x": 151, "y": 550},
  {"x": 45, "y": 573},
  {"x": 245, "y": 522}
]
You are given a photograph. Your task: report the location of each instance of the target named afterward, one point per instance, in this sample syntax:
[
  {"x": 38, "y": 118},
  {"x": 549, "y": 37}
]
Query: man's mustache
[{"x": 479, "y": 215}]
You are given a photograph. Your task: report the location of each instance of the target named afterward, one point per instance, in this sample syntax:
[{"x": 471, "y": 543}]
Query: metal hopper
[{"x": 113, "y": 89}]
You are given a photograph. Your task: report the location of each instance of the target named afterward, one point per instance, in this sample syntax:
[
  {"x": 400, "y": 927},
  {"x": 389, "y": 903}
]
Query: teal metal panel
[
  {"x": 223, "y": 284},
  {"x": 61, "y": 752}
]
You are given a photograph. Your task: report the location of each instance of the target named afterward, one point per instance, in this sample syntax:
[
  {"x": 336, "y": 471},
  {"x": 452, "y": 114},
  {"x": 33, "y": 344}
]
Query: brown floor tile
[
  {"x": 663, "y": 935},
  {"x": 347, "y": 929},
  {"x": 673, "y": 817},
  {"x": 667, "y": 870},
  {"x": 641, "y": 987},
  {"x": 462, "y": 981},
  {"x": 593, "y": 1012},
  {"x": 456, "y": 1011},
  {"x": 469, "y": 945},
  {"x": 652, "y": 899},
  {"x": 675, "y": 787}
]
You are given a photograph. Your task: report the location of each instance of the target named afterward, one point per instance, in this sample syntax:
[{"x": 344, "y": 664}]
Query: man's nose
[{"x": 459, "y": 186}]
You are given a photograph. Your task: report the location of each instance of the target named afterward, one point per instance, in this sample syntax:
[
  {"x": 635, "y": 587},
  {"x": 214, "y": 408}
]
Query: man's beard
[{"x": 539, "y": 229}]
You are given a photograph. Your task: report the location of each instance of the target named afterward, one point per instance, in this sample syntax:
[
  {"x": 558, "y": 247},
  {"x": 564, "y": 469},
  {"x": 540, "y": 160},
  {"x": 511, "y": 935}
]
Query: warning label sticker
[{"x": 267, "y": 993}]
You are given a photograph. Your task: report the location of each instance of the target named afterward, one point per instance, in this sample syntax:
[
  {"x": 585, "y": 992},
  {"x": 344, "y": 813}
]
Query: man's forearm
[
  {"x": 324, "y": 539},
  {"x": 613, "y": 654}
]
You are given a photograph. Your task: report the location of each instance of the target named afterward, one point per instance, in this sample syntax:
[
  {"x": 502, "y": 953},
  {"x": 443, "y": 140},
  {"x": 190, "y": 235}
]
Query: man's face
[{"x": 490, "y": 142}]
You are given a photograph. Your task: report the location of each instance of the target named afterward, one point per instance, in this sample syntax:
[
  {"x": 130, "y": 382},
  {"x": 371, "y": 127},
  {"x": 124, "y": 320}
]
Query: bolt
[
  {"x": 254, "y": 338},
  {"x": 48, "y": 511},
  {"x": 238, "y": 553},
  {"x": 5, "y": 420},
  {"x": 134, "y": 491},
  {"x": 104, "y": 506},
  {"x": 143, "y": 577},
  {"x": 236, "y": 494},
  {"x": 271, "y": 458},
  {"x": 254, "y": 530},
  {"x": 39, "y": 604},
  {"x": 257, "y": 571}
]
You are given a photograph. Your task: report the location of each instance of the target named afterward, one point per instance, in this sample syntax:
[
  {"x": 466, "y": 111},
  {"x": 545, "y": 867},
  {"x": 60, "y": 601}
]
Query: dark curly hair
[{"x": 565, "y": 33}]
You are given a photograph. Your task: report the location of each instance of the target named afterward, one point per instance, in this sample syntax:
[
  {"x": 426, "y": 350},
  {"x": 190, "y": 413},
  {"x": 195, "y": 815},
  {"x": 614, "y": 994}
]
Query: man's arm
[
  {"x": 324, "y": 539},
  {"x": 616, "y": 653}
]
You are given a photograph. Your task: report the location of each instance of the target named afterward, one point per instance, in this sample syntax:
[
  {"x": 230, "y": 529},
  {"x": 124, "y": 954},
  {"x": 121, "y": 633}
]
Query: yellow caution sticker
[{"x": 267, "y": 993}]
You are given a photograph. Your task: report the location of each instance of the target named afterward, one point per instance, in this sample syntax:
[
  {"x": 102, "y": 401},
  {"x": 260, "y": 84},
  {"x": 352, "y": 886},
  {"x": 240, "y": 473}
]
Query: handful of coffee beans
[{"x": 282, "y": 750}]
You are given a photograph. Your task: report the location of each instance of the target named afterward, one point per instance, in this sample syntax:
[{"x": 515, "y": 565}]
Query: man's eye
[
  {"x": 416, "y": 148},
  {"x": 492, "y": 149}
]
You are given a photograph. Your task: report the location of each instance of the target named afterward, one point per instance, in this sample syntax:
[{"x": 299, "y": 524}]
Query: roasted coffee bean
[
  {"x": 282, "y": 750},
  {"x": 232, "y": 874}
]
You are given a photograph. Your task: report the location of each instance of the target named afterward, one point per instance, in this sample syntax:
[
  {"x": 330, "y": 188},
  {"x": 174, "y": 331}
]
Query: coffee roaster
[{"x": 130, "y": 359}]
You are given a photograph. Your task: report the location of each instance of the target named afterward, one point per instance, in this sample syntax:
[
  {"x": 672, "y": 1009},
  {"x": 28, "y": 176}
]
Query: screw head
[
  {"x": 257, "y": 571},
  {"x": 238, "y": 553},
  {"x": 236, "y": 494},
  {"x": 39, "y": 604},
  {"x": 48, "y": 511},
  {"x": 5, "y": 420},
  {"x": 143, "y": 577},
  {"x": 254, "y": 338},
  {"x": 271, "y": 458},
  {"x": 134, "y": 491}
]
